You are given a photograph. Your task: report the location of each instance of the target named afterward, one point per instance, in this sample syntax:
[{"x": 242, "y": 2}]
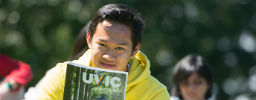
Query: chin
[
  {"x": 108, "y": 68},
  {"x": 194, "y": 99}
]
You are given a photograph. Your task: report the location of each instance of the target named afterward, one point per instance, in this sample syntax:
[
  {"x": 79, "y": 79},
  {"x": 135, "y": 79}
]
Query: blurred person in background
[
  {"x": 192, "y": 78},
  {"x": 14, "y": 75}
]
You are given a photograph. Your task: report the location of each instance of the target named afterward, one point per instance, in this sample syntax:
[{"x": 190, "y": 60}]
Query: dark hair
[
  {"x": 122, "y": 14},
  {"x": 80, "y": 45},
  {"x": 185, "y": 67}
]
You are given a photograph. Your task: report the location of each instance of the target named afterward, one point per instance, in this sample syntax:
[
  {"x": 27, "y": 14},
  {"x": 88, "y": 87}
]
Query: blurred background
[{"x": 42, "y": 33}]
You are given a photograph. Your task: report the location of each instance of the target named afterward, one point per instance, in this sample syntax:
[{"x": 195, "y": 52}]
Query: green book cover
[{"x": 88, "y": 83}]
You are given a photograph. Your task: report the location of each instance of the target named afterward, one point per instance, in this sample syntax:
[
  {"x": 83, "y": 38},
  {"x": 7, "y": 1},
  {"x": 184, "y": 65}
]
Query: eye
[
  {"x": 184, "y": 83},
  {"x": 104, "y": 45},
  {"x": 198, "y": 82},
  {"x": 119, "y": 48}
]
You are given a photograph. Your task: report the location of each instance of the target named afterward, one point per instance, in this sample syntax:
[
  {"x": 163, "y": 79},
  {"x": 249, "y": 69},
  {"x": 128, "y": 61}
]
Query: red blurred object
[{"x": 14, "y": 70}]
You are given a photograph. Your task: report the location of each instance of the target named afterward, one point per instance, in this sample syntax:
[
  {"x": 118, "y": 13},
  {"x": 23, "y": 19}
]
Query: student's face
[
  {"x": 111, "y": 46},
  {"x": 194, "y": 88}
]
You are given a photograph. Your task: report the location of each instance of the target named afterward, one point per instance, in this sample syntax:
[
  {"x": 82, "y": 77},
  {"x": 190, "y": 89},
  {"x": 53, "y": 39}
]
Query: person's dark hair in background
[
  {"x": 80, "y": 45},
  {"x": 126, "y": 16},
  {"x": 190, "y": 65}
]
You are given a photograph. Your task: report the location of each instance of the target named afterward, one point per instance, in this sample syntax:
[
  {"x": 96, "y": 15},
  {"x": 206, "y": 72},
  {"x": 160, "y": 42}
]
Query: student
[
  {"x": 193, "y": 79},
  {"x": 114, "y": 39},
  {"x": 14, "y": 75}
]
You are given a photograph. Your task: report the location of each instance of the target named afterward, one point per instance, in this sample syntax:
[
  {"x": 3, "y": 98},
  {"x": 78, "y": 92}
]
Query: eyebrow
[{"x": 121, "y": 43}]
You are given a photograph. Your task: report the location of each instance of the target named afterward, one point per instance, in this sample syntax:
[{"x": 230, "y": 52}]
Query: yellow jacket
[{"x": 140, "y": 84}]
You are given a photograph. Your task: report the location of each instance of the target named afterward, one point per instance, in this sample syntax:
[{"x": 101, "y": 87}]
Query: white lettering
[
  {"x": 114, "y": 81},
  {"x": 90, "y": 78},
  {"x": 115, "y": 84}
]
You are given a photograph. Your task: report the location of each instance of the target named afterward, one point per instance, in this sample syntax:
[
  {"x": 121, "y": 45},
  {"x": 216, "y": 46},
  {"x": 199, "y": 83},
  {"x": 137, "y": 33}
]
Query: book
[{"x": 89, "y": 83}]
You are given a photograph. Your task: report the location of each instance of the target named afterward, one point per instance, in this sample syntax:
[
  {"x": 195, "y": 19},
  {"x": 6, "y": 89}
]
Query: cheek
[
  {"x": 96, "y": 53},
  {"x": 124, "y": 58},
  {"x": 183, "y": 89},
  {"x": 203, "y": 89}
]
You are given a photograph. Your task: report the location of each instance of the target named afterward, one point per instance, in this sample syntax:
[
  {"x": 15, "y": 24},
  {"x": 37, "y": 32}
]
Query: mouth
[
  {"x": 107, "y": 65},
  {"x": 192, "y": 95}
]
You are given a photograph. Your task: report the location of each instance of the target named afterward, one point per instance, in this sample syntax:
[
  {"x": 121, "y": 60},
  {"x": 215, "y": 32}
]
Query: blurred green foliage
[{"x": 42, "y": 33}]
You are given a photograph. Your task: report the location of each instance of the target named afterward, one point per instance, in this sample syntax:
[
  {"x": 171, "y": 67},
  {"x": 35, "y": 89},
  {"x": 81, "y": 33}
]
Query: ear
[
  {"x": 89, "y": 40},
  {"x": 136, "y": 50}
]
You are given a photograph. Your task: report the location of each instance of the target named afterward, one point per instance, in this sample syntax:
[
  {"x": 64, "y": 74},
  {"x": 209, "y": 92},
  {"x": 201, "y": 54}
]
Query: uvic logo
[{"x": 114, "y": 81}]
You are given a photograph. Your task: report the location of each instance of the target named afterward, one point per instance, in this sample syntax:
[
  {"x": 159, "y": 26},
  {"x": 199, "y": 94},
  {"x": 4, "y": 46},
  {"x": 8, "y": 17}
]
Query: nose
[
  {"x": 190, "y": 87},
  {"x": 110, "y": 55}
]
